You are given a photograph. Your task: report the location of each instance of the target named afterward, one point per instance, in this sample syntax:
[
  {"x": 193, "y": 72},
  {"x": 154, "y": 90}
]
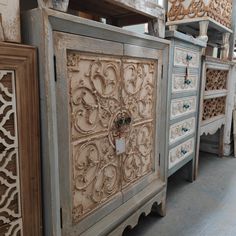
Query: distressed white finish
[
  {"x": 10, "y": 17},
  {"x": 180, "y": 57},
  {"x": 183, "y": 83},
  {"x": 183, "y": 106},
  {"x": 181, "y": 152},
  {"x": 182, "y": 129}
]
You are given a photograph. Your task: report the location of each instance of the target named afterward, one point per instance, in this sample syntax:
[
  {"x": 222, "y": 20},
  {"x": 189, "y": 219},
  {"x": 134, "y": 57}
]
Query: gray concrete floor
[{"x": 206, "y": 207}]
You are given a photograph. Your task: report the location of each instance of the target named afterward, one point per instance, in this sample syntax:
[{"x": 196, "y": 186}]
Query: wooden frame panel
[{"x": 22, "y": 59}]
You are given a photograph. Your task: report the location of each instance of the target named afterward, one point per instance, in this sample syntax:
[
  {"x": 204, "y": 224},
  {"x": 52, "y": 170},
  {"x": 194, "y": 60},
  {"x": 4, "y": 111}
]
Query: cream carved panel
[
  {"x": 186, "y": 58},
  {"x": 10, "y": 205},
  {"x": 221, "y": 11},
  {"x": 103, "y": 91},
  {"x": 216, "y": 79},
  {"x": 183, "y": 83},
  {"x": 181, "y": 130},
  {"x": 213, "y": 107},
  {"x": 181, "y": 152},
  {"x": 183, "y": 106}
]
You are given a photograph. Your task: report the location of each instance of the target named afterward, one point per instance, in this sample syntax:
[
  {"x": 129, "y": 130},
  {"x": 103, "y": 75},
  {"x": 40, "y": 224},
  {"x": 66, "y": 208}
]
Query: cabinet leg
[
  {"x": 160, "y": 209},
  {"x": 190, "y": 171},
  {"x": 221, "y": 142}
]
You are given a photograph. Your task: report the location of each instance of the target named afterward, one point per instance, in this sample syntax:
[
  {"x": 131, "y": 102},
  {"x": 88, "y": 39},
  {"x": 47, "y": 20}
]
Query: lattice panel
[
  {"x": 103, "y": 89},
  {"x": 216, "y": 79},
  {"x": 213, "y": 107},
  {"x": 221, "y": 11},
  {"x": 10, "y": 207}
]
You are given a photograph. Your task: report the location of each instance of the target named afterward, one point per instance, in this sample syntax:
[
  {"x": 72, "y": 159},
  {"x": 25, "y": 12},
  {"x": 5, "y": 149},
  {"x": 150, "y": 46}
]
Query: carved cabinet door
[
  {"x": 20, "y": 207},
  {"x": 107, "y": 119}
]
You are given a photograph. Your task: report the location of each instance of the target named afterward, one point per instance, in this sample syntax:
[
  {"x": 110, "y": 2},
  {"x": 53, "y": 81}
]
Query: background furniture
[
  {"x": 183, "y": 100},
  {"x": 99, "y": 94},
  {"x": 20, "y": 209}
]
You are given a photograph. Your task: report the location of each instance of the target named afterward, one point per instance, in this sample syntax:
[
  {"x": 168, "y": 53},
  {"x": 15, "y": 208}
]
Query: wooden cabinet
[
  {"x": 101, "y": 126},
  {"x": 20, "y": 208},
  {"x": 183, "y": 100},
  {"x": 215, "y": 105}
]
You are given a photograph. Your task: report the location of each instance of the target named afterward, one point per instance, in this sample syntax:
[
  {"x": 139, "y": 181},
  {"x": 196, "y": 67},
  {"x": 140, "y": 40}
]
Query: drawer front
[
  {"x": 183, "y": 106},
  {"x": 181, "y": 152},
  {"x": 182, "y": 83},
  {"x": 181, "y": 130},
  {"x": 181, "y": 56}
]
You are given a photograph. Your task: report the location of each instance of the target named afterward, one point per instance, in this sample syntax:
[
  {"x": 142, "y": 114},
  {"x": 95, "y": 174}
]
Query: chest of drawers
[{"x": 183, "y": 100}]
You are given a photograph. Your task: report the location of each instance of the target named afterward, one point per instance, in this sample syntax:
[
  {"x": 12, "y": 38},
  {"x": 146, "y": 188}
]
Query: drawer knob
[
  {"x": 187, "y": 81},
  {"x": 183, "y": 151},
  {"x": 186, "y": 106},
  {"x": 189, "y": 57},
  {"x": 185, "y": 129},
  {"x": 123, "y": 121}
]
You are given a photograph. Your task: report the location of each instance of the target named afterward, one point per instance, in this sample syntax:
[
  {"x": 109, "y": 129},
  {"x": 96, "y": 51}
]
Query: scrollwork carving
[{"x": 221, "y": 11}]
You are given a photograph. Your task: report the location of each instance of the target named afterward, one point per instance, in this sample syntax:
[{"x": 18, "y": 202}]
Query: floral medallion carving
[
  {"x": 109, "y": 98},
  {"x": 213, "y": 107},
  {"x": 221, "y": 11},
  {"x": 216, "y": 79}
]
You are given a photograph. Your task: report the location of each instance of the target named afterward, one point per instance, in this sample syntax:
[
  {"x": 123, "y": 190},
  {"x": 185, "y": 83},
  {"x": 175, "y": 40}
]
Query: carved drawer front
[
  {"x": 181, "y": 152},
  {"x": 186, "y": 58},
  {"x": 183, "y": 83},
  {"x": 109, "y": 97},
  {"x": 213, "y": 107},
  {"x": 10, "y": 205},
  {"x": 183, "y": 106},
  {"x": 182, "y": 129}
]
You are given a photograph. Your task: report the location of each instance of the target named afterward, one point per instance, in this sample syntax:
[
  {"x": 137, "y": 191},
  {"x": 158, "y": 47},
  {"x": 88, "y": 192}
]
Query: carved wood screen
[
  {"x": 221, "y": 11},
  {"x": 19, "y": 144},
  {"x": 102, "y": 90}
]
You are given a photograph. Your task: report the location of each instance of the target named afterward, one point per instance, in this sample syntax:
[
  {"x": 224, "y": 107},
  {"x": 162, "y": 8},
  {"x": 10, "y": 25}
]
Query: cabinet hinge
[
  {"x": 61, "y": 218},
  {"x": 162, "y": 71},
  {"x": 55, "y": 68}
]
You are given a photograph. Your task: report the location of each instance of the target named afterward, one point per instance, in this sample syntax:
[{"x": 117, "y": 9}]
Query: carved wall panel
[
  {"x": 182, "y": 129},
  {"x": 216, "y": 79},
  {"x": 102, "y": 91},
  {"x": 220, "y": 11},
  {"x": 10, "y": 205},
  {"x": 183, "y": 106},
  {"x": 181, "y": 152},
  {"x": 213, "y": 107},
  {"x": 182, "y": 83},
  {"x": 181, "y": 55}
]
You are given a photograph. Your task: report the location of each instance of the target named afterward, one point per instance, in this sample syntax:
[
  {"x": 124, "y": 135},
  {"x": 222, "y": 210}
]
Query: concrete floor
[{"x": 206, "y": 207}]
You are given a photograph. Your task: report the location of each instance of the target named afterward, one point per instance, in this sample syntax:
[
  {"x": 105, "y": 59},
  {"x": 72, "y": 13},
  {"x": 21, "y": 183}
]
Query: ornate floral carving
[
  {"x": 10, "y": 206},
  {"x": 216, "y": 79},
  {"x": 180, "y": 152},
  {"x": 221, "y": 11},
  {"x": 181, "y": 55},
  {"x": 181, "y": 83},
  {"x": 104, "y": 91},
  {"x": 184, "y": 106},
  {"x": 213, "y": 107},
  {"x": 181, "y": 129}
]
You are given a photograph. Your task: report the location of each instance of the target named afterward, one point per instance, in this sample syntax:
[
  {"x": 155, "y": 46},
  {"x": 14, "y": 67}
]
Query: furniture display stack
[
  {"x": 183, "y": 101},
  {"x": 20, "y": 208},
  {"x": 102, "y": 105},
  {"x": 209, "y": 21}
]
